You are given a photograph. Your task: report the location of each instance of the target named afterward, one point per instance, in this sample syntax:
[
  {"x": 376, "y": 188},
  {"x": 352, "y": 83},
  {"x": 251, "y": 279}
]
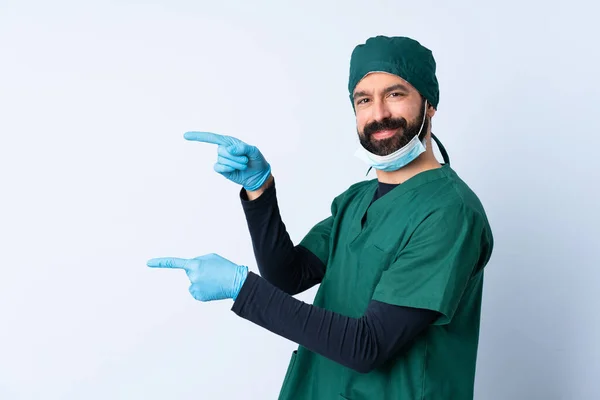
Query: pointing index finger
[
  {"x": 208, "y": 137},
  {"x": 167, "y": 262}
]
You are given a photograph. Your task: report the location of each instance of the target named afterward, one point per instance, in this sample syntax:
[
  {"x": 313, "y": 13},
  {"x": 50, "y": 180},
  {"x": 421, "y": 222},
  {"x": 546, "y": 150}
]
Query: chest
[{"x": 365, "y": 240}]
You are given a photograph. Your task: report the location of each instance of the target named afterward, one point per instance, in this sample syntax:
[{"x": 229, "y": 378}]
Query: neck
[{"x": 424, "y": 162}]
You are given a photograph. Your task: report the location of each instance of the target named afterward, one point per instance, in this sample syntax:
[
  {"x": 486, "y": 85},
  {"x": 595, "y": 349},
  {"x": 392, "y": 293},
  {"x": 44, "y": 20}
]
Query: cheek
[
  {"x": 361, "y": 121},
  {"x": 403, "y": 111}
]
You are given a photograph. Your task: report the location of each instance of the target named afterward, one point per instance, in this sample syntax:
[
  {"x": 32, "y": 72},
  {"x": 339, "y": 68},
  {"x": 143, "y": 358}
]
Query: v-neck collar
[
  {"x": 384, "y": 188},
  {"x": 420, "y": 179},
  {"x": 368, "y": 209}
]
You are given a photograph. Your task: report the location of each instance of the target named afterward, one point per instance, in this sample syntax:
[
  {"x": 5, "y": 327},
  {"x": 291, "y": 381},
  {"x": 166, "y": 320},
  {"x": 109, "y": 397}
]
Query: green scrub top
[{"x": 424, "y": 244}]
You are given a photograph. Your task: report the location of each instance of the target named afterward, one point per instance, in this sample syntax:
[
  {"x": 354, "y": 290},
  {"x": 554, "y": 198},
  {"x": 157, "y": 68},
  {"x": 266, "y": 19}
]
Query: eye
[
  {"x": 396, "y": 94},
  {"x": 361, "y": 101}
]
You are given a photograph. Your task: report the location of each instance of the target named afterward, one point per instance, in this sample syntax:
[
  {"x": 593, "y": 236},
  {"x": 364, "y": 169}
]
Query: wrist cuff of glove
[
  {"x": 258, "y": 184},
  {"x": 239, "y": 279}
]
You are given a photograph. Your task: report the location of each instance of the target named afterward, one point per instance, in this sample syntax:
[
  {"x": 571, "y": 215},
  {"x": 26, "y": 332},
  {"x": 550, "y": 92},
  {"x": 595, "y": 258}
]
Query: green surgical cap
[{"x": 397, "y": 55}]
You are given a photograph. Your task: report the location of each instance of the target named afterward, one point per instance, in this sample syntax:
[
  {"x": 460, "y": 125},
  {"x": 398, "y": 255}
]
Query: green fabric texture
[
  {"x": 396, "y": 55},
  {"x": 424, "y": 244}
]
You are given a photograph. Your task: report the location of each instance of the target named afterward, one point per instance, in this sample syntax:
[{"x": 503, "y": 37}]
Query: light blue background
[{"x": 96, "y": 178}]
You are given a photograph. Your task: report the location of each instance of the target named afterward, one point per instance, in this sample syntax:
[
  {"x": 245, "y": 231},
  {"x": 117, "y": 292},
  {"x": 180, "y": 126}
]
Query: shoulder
[
  {"x": 455, "y": 211},
  {"x": 461, "y": 199},
  {"x": 447, "y": 193},
  {"x": 445, "y": 200}
]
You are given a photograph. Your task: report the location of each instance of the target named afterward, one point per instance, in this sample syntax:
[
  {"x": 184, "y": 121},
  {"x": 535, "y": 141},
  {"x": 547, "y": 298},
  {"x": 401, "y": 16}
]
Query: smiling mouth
[{"x": 384, "y": 134}]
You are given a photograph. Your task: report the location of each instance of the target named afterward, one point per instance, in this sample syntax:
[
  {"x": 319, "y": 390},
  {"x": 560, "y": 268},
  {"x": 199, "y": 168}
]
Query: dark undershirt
[{"x": 361, "y": 343}]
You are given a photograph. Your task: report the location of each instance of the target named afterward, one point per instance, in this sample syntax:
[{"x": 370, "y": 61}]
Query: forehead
[{"x": 377, "y": 81}]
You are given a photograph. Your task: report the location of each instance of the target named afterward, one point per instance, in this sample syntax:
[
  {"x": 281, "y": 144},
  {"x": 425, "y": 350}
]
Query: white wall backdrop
[{"x": 96, "y": 178}]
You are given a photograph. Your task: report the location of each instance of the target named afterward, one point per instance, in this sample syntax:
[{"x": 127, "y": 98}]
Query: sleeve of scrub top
[
  {"x": 292, "y": 269},
  {"x": 362, "y": 344},
  {"x": 434, "y": 268}
]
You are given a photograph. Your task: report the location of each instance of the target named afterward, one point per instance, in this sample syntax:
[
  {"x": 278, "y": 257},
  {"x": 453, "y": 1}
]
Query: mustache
[{"x": 384, "y": 124}]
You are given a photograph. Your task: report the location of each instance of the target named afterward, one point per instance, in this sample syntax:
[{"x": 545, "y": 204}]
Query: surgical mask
[{"x": 398, "y": 159}]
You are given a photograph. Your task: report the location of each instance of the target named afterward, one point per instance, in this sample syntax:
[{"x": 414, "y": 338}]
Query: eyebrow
[{"x": 397, "y": 86}]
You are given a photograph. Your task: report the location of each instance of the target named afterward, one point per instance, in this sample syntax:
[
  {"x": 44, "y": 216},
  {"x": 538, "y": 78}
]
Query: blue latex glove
[
  {"x": 237, "y": 161},
  {"x": 212, "y": 276}
]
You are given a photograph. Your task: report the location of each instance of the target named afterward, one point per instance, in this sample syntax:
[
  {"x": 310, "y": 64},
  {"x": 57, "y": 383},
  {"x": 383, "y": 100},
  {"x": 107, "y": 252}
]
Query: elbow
[
  {"x": 364, "y": 366},
  {"x": 369, "y": 361},
  {"x": 369, "y": 364},
  {"x": 372, "y": 359},
  {"x": 369, "y": 353}
]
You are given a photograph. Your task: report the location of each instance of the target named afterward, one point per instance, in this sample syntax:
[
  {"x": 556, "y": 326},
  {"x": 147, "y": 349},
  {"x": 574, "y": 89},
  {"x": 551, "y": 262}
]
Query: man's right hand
[{"x": 237, "y": 161}]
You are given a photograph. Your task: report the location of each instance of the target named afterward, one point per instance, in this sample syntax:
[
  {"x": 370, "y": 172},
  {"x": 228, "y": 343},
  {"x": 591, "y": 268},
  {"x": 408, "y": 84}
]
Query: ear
[{"x": 430, "y": 111}]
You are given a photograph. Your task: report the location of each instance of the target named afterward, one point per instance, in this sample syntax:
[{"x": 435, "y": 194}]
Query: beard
[{"x": 405, "y": 132}]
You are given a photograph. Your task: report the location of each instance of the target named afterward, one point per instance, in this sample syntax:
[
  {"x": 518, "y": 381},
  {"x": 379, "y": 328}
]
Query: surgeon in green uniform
[{"x": 400, "y": 260}]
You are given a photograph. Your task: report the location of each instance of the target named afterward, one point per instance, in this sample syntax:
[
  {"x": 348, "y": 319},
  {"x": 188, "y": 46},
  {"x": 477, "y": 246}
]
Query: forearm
[
  {"x": 290, "y": 268},
  {"x": 359, "y": 343}
]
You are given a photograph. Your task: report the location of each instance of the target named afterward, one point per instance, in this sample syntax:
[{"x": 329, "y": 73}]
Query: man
[{"x": 399, "y": 261}]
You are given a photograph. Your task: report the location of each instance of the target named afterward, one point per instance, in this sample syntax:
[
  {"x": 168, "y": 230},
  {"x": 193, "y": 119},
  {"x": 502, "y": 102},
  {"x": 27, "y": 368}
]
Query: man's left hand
[{"x": 212, "y": 277}]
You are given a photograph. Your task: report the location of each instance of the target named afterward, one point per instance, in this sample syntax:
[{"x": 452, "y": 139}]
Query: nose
[{"x": 380, "y": 110}]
